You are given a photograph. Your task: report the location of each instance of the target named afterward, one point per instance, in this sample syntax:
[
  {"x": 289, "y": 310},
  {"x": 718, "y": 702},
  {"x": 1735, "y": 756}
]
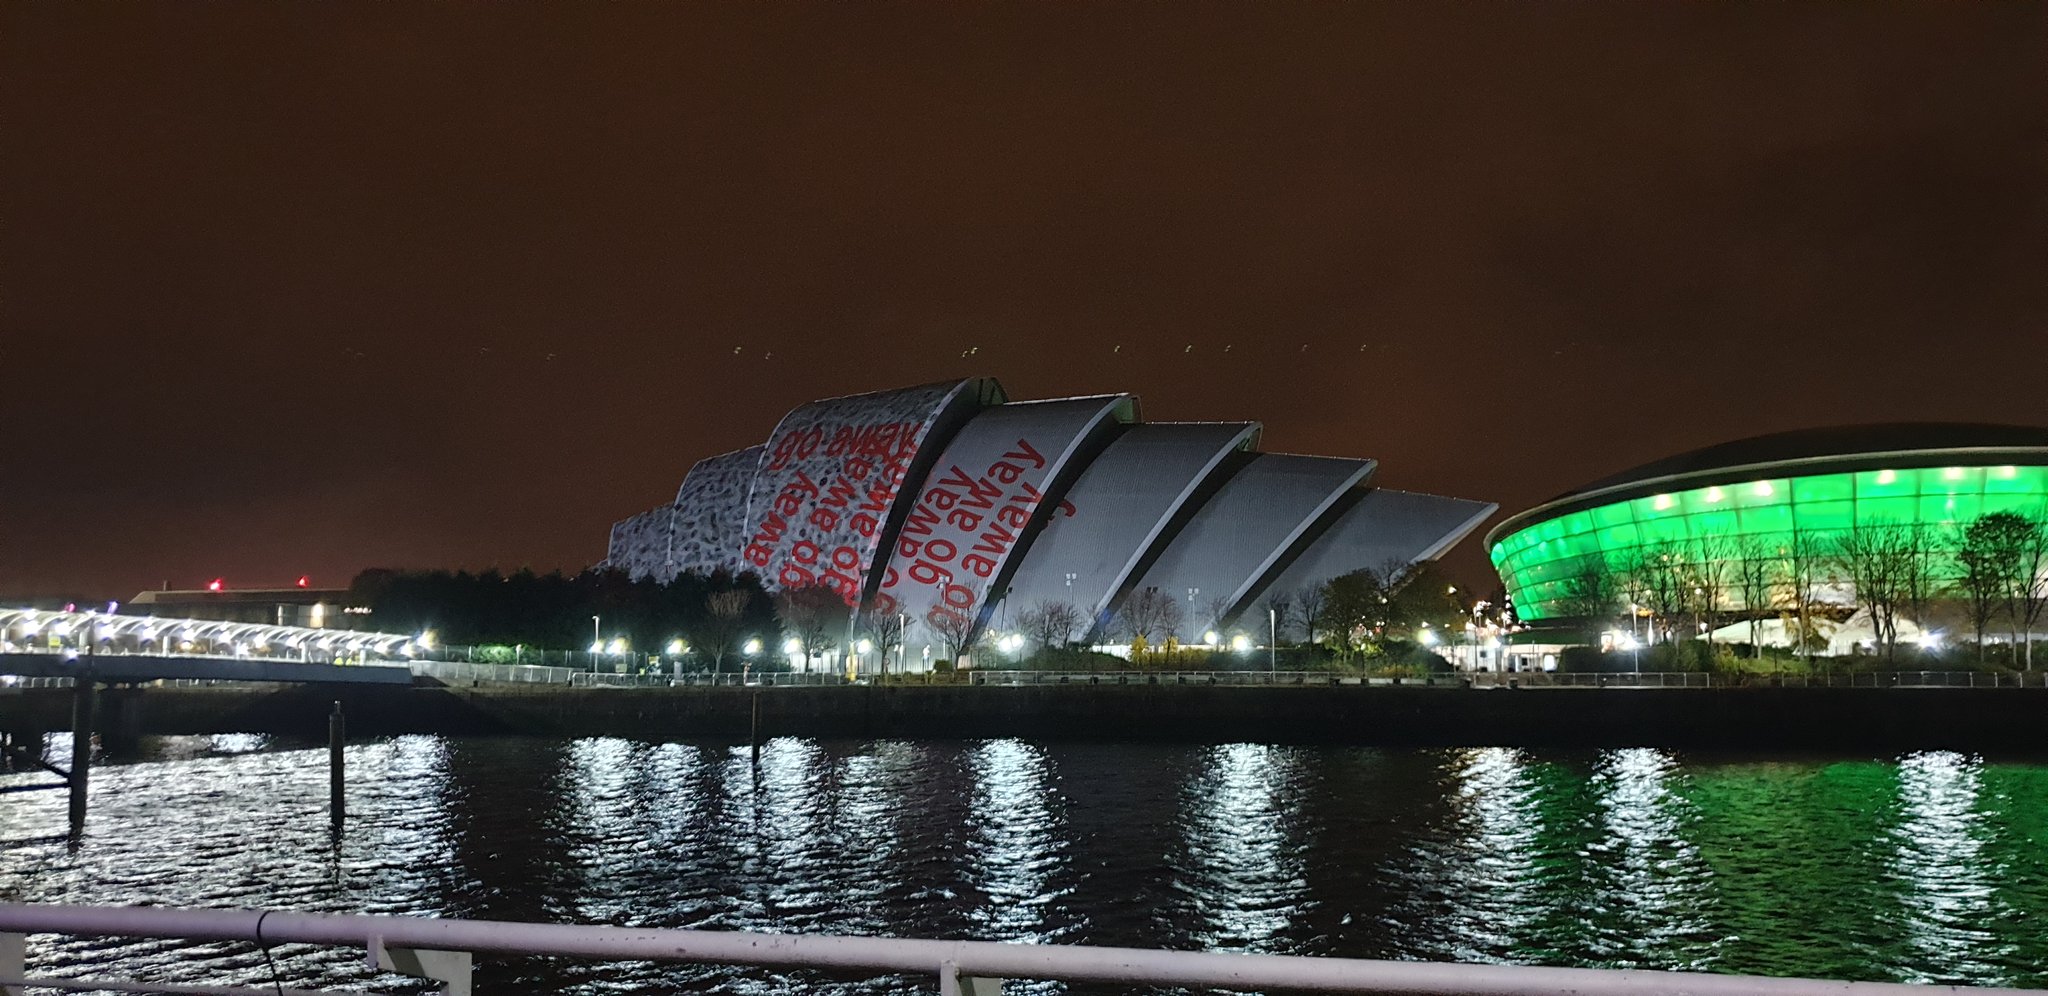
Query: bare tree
[
  {"x": 2016, "y": 549},
  {"x": 1050, "y": 624},
  {"x": 1925, "y": 576},
  {"x": 1753, "y": 585},
  {"x": 1876, "y": 558},
  {"x": 1590, "y": 594},
  {"x": 2030, "y": 578},
  {"x": 1311, "y": 601},
  {"x": 811, "y": 614},
  {"x": 718, "y": 631},
  {"x": 1979, "y": 574},
  {"x": 1627, "y": 571},
  {"x": 1214, "y": 613},
  {"x": 1659, "y": 571},
  {"x": 1707, "y": 571},
  {"x": 1797, "y": 571},
  {"x": 885, "y": 626},
  {"x": 956, "y": 631},
  {"x": 1279, "y": 606},
  {"x": 1149, "y": 612}
]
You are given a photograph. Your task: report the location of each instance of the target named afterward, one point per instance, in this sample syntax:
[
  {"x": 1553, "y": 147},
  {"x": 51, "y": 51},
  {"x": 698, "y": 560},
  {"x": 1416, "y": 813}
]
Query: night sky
[{"x": 303, "y": 288}]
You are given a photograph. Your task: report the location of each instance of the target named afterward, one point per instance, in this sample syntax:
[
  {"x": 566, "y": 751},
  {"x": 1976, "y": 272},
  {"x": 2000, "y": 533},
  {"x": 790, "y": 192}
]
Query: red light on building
[
  {"x": 215, "y": 585},
  {"x": 305, "y": 580}
]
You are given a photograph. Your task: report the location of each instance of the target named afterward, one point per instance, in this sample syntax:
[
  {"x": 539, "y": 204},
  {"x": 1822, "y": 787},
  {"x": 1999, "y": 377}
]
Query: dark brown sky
[{"x": 301, "y": 288}]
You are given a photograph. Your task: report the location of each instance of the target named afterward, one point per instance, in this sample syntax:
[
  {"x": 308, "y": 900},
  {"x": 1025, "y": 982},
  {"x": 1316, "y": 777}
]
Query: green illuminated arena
[{"x": 1796, "y": 491}]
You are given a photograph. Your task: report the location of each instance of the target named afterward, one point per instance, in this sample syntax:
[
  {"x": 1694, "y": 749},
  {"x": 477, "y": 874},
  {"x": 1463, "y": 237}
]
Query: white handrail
[{"x": 891, "y": 955}]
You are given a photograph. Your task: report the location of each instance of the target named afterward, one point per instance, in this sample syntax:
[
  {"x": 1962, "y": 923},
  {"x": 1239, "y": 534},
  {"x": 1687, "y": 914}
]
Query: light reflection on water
[
  {"x": 1912, "y": 870},
  {"x": 1947, "y": 902},
  {"x": 1486, "y": 866},
  {"x": 1241, "y": 871},
  {"x": 1649, "y": 876}
]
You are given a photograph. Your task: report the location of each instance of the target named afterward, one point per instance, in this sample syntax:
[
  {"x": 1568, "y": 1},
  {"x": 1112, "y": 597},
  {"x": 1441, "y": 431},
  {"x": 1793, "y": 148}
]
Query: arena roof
[{"x": 1829, "y": 449}]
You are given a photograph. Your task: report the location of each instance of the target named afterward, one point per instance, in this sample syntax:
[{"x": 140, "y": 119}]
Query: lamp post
[
  {"x": 1273, "y": 640},
  {"x": 596, "y": 643}
]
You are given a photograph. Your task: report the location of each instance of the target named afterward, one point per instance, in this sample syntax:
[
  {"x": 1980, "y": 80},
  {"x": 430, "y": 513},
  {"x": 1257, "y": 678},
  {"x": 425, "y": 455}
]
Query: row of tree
[
  {"x": 717, "y": 615},
  {"x": 1996, "y": 566},
  {"x": 714, "y": 614}
]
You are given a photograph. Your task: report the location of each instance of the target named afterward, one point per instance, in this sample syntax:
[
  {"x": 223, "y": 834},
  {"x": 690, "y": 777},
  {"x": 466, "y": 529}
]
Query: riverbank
[{"x": 1881, "y": 720}]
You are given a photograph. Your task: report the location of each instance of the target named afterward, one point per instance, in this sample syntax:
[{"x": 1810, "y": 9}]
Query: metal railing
[
  {"x": 519, "y": 674},
  {"x": 442, "y": 950},
  {"x": 586, "y": 679},
  {"x": 1552, "y": 679},
  {"x": 1702, "y": 679},
  {"x": 34, "y": 681},
  {"x": 1236, "y": 678}
]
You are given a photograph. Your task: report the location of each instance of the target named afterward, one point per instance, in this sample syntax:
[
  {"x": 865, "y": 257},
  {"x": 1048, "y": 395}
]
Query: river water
[{"x": 1930, "y": 867}]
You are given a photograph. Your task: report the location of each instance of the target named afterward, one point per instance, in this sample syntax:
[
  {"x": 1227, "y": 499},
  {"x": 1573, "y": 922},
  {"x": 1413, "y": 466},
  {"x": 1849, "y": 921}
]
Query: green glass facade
[{"x": 1538, "y": 560}]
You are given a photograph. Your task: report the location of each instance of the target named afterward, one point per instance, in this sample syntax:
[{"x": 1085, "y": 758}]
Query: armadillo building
[
  {"x": 947, "y": 502},
  {"x": 1789, "y": 495}
]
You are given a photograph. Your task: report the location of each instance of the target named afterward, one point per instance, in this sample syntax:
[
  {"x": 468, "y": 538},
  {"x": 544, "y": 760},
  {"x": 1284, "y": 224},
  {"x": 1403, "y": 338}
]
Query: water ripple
[{"x": 1933, "y": 868}]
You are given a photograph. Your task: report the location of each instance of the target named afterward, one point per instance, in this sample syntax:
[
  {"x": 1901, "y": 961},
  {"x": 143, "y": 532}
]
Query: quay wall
[{"x": 1835, "y": 719}]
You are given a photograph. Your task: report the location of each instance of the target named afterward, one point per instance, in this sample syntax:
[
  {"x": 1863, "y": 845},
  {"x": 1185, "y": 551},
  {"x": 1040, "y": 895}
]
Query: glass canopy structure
[{"x": 1727, "y": 503}]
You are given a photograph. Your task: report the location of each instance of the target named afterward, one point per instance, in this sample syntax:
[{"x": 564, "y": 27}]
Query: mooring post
[
  {"x": 754, "y": 729},
  {"x": 337, "y": 734},
  {"x": 81, "y": 747}
]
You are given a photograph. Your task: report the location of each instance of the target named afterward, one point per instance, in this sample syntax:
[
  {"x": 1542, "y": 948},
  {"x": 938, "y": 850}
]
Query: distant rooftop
[
  {"x": 239, "y": 596},
  {"x": 1830, "y": 442}
]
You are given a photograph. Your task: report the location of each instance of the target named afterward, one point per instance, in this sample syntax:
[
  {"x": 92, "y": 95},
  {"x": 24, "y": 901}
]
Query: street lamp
[{"x": 1273, "y": 640}]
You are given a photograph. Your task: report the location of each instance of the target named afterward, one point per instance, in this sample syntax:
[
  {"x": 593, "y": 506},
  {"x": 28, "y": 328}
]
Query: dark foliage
[{"x": 550, "y": 610}]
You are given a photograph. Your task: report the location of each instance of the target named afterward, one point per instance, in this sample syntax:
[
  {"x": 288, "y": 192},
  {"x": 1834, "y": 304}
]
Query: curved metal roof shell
[
  {"x": 1121, "y": 512},
  {"x": 715, "y": 491},
  {"x": 831, "y": 480},
  {"x": 1064, "y": 500},
  {"x": 994, "y": 484},
  {"x": 641, "y": 545},
  {"x": 1384, "y": 527},
  {"x": 1239, "y": 537}
]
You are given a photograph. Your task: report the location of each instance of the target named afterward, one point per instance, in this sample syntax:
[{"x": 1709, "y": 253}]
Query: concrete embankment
[{"x": 1880, "y": 720}]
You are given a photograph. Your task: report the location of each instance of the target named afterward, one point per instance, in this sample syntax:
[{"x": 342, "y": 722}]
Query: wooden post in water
[
  {"x": 337, "y": 734},
  {"x": 81, "y": 747},
  {"x": 754, "y": 729}
]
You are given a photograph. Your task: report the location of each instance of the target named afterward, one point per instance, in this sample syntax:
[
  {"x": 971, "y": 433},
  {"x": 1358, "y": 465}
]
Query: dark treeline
[{"x": 553, "y": 610}]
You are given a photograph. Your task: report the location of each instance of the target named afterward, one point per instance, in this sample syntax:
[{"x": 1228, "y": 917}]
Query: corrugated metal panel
[
  {"x": 983, "y": 497},
  {"x": 1129, "y": 500},
  {"x": 831, "y": 478},
  {"x": 1241, "y": 534},
  {"x": 1385, "y": 527}
]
